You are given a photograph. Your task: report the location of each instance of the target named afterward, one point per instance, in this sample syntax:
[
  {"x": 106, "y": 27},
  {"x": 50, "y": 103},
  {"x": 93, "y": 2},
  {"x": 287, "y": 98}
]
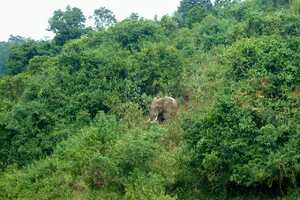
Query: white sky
[{"x": 29, "y": 18}]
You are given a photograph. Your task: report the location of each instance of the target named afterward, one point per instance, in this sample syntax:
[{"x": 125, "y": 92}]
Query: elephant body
[{"x": 163, "y": 108}]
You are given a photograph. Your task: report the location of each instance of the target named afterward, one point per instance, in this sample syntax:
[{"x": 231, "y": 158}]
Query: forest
[{"x": 74, "y": 110}]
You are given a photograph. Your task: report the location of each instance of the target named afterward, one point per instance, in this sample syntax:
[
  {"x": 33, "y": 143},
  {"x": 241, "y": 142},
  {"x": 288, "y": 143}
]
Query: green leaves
[
  {"x": 244, "y": 140},
  {"x": 159, "y": 69},
  {"x": 67, "y": 24},
  {"x": 212, "y": 32},
  {"x": 266, "y": 57},
  {"x": 193, "y": 9},
  {"x": 73, "y": 116},
  {"x": 21, "y": 54},
  {"x": 232, "y": 140},
  {"x": 104, "y": 18},
  {"x": 129, "y": 33}
]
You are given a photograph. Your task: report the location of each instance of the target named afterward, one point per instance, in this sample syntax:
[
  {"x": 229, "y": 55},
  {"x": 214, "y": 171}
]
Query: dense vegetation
[
  {"x": 5, "y": 50},
  {"x": 74, "y": 110}
]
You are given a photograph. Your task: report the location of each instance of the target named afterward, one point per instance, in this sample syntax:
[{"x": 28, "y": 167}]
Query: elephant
[{"x": 163, "y": 108}]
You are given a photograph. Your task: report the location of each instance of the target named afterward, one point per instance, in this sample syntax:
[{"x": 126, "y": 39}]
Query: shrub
[
  {"x": 267, "y": 56},
  {"x": 234, "y": 147},
  {"x": 211, "y": 32}
]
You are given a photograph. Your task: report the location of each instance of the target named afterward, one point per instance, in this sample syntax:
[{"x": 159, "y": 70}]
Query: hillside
[{"x": 74, "y": 110}]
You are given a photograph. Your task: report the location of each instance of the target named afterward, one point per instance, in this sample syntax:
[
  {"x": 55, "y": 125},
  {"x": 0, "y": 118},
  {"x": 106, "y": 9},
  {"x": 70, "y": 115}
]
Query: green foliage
[
  {"x": 134, "y": 16},
  {"x": 212, "y": 32},
  {"x": 61, "y": 169},
  {"x": 159, "y": 69},
  {"x": 192, "y": 11},
  {"x": 146, "y": 187},
  {"x": 196, "y": 14},
  {"x": 271, "y": 4},
  {"x": 272, "y": 59},
  {"x": 222, "y": 3},
  {"x": 104, "y": 18},
  {"x": 247, "y": 141},
  {"x": 295, "y": 6},
  {"x": 21, "y": 54},
  {"x": 26, "y": 134},
  {"x": 185, "y": 41},
  {"x": 38, "y": 64},
  {"x": 169, "y": 24},
  {"x": 129, "y": 33},
  {"x": 4, "y": 52},
  {"x": 12, "y": 87},
  {"x": 100, "y": 156},
  {"x": 188, "y": 8},
  {"x": 66, "y": 25},
  {"x": 280, "y": 23},
  {"x": 74, "y": 117},
  {"x": 243, "y": 147}
]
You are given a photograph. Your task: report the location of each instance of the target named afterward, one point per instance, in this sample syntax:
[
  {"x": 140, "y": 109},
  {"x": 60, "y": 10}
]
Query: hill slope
[{"x": 74, "y": 118}]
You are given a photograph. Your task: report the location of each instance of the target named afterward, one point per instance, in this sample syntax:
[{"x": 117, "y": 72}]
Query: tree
[
  {"x": 134, "y": 16},
  {"x": 67, "y": 24},
  {"x": 21, "y": 54},
  {"x": 130, "y": 33},
  {"x": 222, "y": 3},
  {"x": 187, "y": 5},
  {"x": 211, "y": 32},
  {"x": 104, "y": 18},
  {"x": 196, "y": 14},
  {"x": 158, "y": 69},
  {"x": 4, "y": 52},
  {"x": 16, "y": 39},
  {"x": 169, "y": 24}
]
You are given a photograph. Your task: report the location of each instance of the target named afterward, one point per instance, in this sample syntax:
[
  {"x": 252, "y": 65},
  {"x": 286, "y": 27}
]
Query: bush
[
  {"x": 247, "y": 141},
  {"x": 158, "y": 69},
  {"x": 212, "y": 32},
  {"x": 270, "y": 57},
  {"x": 129, "y": 33},
  {"x": 239, "y": 147}
]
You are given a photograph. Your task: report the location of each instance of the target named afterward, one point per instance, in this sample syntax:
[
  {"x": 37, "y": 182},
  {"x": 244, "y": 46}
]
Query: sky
[{"x": 29, "y": 18}]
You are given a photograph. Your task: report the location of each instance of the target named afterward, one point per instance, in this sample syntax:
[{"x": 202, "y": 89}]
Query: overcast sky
[{"x": 29, "y": 18}]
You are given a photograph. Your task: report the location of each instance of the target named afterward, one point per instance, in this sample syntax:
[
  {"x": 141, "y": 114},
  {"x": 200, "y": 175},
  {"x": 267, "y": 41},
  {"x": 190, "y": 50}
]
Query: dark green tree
[
  {"x": 4, "y": 52},
  {"x": 169, "y": 24},
  {"x": 222, "y": 3},
  {"x": 195, "y": 15},
  {"x": 21, "y": 54},
  {"x": 103, "y": 18},
  {"x": 68, "y": 24},
  {"x": 187, "y": 5},
  {"x": 212, "y": 32},
  {"x": 134, "y": 16},
  {"x": 16, "y": 39},
  {"x": 131, "y": 32}
]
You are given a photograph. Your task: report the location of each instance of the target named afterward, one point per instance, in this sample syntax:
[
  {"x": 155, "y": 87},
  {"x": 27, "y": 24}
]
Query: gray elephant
[{"x": 163, "y": 108}]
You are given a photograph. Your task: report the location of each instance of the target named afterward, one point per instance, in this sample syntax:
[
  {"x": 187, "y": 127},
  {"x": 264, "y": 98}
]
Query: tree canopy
[
  {"x": 67, "y": 25},
  {"x": 104, "y": 18}
]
